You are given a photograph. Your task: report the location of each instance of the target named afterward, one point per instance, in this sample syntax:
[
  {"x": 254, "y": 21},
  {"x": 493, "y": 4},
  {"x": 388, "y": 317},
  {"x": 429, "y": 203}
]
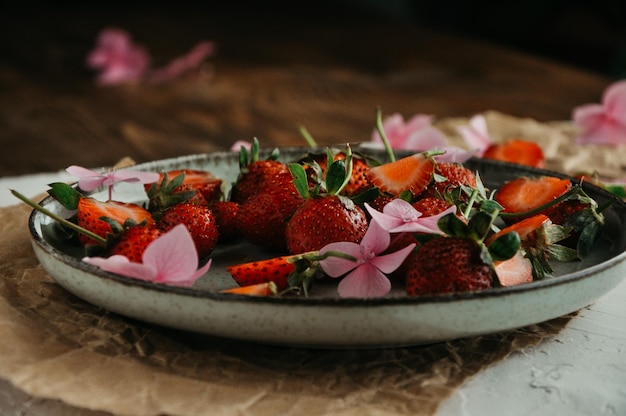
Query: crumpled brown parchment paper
[{"x": 56, "y": 346}]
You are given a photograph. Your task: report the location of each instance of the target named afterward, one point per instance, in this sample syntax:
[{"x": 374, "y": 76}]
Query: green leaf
[
  {"x": 300, "y": 179},
  {"x": 479, "y": 225},
  {"x": 505, "y": 246},
  {"x": 558, "y": 252},
  {"x": 335, "y": 176},
  {"x": 67, "y": 195},
  {"x": 453, "y": 226},
  {"x": 588, "y": 236}
]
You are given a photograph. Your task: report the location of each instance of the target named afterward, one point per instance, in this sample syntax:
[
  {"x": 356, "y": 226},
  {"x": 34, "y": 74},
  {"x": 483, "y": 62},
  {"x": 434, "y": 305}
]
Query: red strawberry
[
  {"x": 412, "y": 173},
  {"x": 262, "y": 218},
  {"x": 226, "y": 216},
  {"x": 205, "y": 183},
  {"x": 200, "y": 223},
  {"x": 455, "y": 174},
  {"x": 447, "y": 265},
  {"x": 430, "y": 206},
  {"x": 91, "y": 211},
  {"x": 254, "y": 172},
  {"x": 517, "y": 151},
  {"x": 275, "y": 270},
  {"x": 133, "y": 241},
  {"x": 323, "y": 220}
]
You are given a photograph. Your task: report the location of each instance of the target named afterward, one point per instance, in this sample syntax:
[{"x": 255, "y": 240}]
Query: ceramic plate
[{"x": 324, "y": 320}]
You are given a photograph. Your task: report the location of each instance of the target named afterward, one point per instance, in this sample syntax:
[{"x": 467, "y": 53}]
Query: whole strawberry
[
  {"x": 133, "y": 241},
  {"x": 226, "y": 215},
  {"x": 200, "y": 223},
  {"x": 262, "y": 218},
  {"x": 447, "y": 265},
  {"x": 325, "y": 216},
  {"x": 254, "y": 173}
]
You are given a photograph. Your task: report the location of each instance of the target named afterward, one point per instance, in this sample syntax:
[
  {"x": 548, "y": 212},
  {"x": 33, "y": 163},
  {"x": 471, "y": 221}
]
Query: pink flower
[
  {"x": 185, "y": 63},
  {"x": 418, "y": 134},
  {"x": 603, "y": 123},
  {"x": 90, "y": 179},
  {"x": 118, "y": 59},
  {"x": 366, "y": 277},
  {"x": 400, "y": 216},
  {"x": 476, "y": 135},
  {"x": 171, "y": 259},
  {"x": 239, "y": 144}
]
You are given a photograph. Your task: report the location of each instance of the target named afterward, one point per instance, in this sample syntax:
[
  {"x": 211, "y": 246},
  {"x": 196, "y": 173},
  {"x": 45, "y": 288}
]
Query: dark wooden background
[{"x": 326, "y": 66}]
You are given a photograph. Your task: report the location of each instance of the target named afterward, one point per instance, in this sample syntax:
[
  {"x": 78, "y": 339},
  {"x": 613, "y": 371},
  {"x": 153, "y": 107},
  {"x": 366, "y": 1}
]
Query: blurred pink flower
[
  {"x": 603, "y": 123},
  {"x": 171, "y": 259},
  {"x": 476, "y": 135},
  {"x": 120, "y": 60},
  {"x": 365, "y": 277},
  {"x": 88, "y": 179},
  {"x": 418, "y": 134}
]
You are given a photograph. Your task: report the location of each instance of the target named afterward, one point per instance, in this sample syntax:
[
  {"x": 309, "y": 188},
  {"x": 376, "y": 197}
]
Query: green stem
[
  {"x": 56, "y": 217},
  {"x": 307, "y": 136},
  {"x": 383, "y": 136}
]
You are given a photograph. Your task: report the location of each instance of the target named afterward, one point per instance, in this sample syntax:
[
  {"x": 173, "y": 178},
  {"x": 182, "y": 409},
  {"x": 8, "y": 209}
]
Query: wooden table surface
[{"x": 325, "y": 69}]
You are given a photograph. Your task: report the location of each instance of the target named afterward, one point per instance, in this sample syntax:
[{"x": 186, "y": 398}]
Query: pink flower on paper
[
  {"x": 603, "y": 123},
  {"x": 90, "y": 179},
  {"x": 418, "y": 134},
  {"x": 365, "y": 277},
  {"x": 171, "y": 259},
  {"x": 476, "y": 135},
  {"x": 400, "y": 216},
  {"x": 118, "y": 59}
]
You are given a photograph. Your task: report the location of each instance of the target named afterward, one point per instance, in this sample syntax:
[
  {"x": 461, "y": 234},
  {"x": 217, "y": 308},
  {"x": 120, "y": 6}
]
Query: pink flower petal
[
  {"x": 365, "y": 282},
  {"x": 456, "y": 154},
  {"x": 239, "y": 144},
  {"x": 337, "y": 266},
  {"x": 375, "y": 241},
  {"x": 191, "y": 61},
  {"x": 121, "y": 265},
  {"x": 475, "y": 134},
  {"x": 416, "y": 134},
  {"x": 603, "y": 123},
  {"x": 388, "y": 263},
  {"x": 174, "y": 256}
]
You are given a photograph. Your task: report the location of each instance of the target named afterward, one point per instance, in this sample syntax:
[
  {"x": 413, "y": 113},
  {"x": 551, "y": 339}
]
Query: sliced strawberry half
[
  {"x": 276, "y": 270},
  {"x": 517, "y": 151},
  {"x": 412, "y": 173},
  {"x": 91, "y": 211},
  {"x": 259, "y": 289},
  {"x": 523, "y": 228},
  {"x": 527, "y": 193}
]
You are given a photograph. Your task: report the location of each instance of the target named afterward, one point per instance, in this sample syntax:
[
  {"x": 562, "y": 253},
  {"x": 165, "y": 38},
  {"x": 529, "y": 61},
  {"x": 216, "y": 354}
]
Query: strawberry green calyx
[
  {"x": 246, "y": 158},
  {"x": 335, "y": 181},
  {"x": 163, "y": 195}
]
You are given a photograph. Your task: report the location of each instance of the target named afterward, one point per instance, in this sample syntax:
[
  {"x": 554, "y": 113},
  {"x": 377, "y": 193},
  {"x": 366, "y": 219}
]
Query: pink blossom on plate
[
  {"x": 88, "y": 179},
  {"x": 366, "y": 277},
  {"x": 118, "y": 58},
  {"x": 476, "y": 135},
  {"x": 400, "y": 216},
  {"x": 603, "y": 123},
  {"x": 171, "y": 259}
]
